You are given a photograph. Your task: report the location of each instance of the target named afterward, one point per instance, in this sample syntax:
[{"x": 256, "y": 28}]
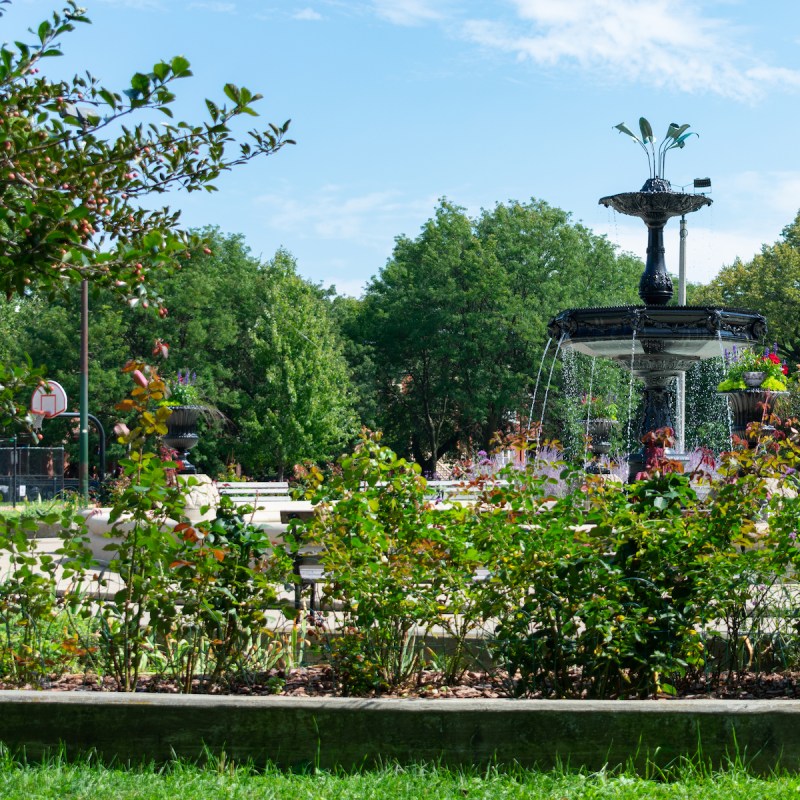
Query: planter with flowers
[
  {"x": 187, "y": 407},
  {"x": 752, "y": 384}
]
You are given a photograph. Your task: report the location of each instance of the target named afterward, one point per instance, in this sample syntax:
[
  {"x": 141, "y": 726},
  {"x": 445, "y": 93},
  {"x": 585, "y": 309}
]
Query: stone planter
[
  {"x": 750, "y": 405},
  {"x": 600, "y": 431},
  {"x": 753, "y": 380},
  {"x": 182, "y": 433}
]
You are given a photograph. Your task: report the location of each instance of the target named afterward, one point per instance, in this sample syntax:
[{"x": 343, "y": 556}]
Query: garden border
[{"x": 302, "y": 733}]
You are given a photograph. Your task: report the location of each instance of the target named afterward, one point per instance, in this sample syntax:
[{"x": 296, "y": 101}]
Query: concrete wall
[{"x": 304, "y": 732}]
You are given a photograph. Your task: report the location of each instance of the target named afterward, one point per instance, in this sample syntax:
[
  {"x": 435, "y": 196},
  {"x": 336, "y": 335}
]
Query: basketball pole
[{"x": 83, "y": 461}]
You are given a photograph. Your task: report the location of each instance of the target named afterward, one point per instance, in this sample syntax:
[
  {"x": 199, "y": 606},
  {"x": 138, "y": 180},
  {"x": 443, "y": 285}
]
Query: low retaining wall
[{"x": 339, "y": 732}]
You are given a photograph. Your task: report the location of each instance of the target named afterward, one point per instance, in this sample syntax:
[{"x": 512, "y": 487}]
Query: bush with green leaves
[
  {"x": 35, "y": 642},
  {"x": 225, "y": 573},
  {"x": 607, "y": 590},
  {"x": 204, "y": 585},
  {"x": 399, "y": 564}
]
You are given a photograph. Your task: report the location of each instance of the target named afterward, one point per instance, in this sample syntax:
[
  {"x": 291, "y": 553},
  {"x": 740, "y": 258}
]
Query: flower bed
[{"x": 570, "y": 587}]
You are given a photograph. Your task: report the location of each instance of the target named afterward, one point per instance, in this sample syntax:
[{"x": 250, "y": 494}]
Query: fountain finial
[
  {"x": 655, "y": 203},
  {"x": 675, "y": 137}
]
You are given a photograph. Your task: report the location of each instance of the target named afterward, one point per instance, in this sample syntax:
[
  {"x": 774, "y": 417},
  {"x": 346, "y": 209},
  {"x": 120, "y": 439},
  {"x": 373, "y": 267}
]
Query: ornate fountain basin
[{"x": 656, "y": 341}]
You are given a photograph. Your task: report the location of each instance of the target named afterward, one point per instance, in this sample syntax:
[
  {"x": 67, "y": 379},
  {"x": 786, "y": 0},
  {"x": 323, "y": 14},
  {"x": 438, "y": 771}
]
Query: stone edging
[{"x": 340, "y": 732}]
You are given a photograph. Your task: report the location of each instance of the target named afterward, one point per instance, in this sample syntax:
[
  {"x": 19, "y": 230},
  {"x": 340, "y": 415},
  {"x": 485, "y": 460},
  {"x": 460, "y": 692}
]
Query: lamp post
[
  {"x": 680, "y": 400},
  {"x": 83, "y": 459}
]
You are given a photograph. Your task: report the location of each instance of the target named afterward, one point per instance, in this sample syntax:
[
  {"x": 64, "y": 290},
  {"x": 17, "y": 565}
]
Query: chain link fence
[{"x": 30, "y": 473}]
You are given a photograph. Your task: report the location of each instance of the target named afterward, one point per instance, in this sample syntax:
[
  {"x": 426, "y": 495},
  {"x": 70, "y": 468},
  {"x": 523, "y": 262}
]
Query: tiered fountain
[{"x": 656, "y": 342}]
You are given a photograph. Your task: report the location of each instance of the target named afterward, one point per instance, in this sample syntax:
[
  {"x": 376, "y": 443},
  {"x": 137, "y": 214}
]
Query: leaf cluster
[{"x": 77, "y": 160}]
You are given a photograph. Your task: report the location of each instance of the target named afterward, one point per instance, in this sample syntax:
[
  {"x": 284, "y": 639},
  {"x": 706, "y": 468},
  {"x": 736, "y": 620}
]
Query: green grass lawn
[{"x": 58, "y": 779}]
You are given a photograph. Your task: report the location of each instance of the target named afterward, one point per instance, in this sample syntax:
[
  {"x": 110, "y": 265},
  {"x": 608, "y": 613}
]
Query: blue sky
[{"x": 396, "y": 103}]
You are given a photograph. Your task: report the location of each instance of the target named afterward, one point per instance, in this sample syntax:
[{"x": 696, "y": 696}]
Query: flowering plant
[
  {"x": 599, "y": 407},
  {"x": 182, "y": 390},
  {"x": 738, "y": 362}
]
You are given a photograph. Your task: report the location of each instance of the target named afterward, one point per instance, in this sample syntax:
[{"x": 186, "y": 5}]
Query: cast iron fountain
[{"x": 655, "y": 341}]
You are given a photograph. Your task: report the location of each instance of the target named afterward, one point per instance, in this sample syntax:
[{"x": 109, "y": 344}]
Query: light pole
[
  {"x": 680, "y": 400},
  {"x": 83, "y": 459}
]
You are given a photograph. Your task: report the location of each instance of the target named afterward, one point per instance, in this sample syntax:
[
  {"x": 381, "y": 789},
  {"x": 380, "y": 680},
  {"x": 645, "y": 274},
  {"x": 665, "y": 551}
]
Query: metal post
[
  {"x": 101, "y": 432},
  {"x": 83, "y": 463},
  {"x": 681, "y": 393},
  {"x": 14, "y": 475}
]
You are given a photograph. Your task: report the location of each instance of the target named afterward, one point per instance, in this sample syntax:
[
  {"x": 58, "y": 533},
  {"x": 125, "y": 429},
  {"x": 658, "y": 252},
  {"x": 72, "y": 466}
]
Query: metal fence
[{"x": 31, "y": 473}]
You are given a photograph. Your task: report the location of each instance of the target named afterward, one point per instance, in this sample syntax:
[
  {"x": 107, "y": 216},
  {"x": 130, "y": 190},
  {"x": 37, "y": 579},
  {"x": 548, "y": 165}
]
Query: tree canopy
[
  {"x": 261, "y": 341},
  {"x": 769, "y": 284},
  {"x": 455, "y": 324}
]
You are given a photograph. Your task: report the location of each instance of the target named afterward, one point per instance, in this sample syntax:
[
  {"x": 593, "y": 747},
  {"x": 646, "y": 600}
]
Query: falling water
[
  {"x": 536, "y": 386},
  {"x": 571, "y": 377},
  {"x": 589, "y": 403},
  {"x": 547, "y": 390},
  {"x": 727, "y": 404},
  {"x": 630, "y": 392},
  {"x": 569, "y": 372},
  {"x": 584, "y": 449}
]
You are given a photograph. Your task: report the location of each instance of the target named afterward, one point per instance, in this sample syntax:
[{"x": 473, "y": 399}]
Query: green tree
[
  {"x": 424, "y": 299},
  {"x": 213, "y": 300},
  {"x": 302, "y": 406},
  {"x": 455, "y": 324},
  {"x": 236, "y": 324},
  {"x": 769, "y": 284}
]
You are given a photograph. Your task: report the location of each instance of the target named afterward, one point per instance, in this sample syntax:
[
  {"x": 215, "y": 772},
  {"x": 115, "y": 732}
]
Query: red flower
[
  {"x": 785, "y": 370},
  {"x": 773, "y": 358}
]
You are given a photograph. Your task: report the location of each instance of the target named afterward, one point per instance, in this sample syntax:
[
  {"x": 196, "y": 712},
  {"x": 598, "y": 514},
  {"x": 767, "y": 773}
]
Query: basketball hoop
[{"x": 48, "y": 399}]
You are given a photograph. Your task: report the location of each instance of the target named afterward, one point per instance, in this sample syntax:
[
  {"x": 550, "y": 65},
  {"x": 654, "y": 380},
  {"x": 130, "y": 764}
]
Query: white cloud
[
  {"x": 219, "y": 8},
  {"x": 371, "y": 220},
  {"x": 307, "y": 14},
  {"x": 408, "y": 12},
  {"x": 663, "y": 43}
]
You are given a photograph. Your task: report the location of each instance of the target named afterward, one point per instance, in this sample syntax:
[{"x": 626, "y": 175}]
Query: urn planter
[
  {"x": 750, "y": 405},
  {"x": 182, "y": 433},
  {"x": 600, "y": 432},
  {"x": 753, "y": 380}
]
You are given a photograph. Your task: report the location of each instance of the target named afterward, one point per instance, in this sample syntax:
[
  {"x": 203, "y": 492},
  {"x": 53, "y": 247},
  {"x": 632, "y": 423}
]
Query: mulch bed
[{"x": 318, "y": 681}]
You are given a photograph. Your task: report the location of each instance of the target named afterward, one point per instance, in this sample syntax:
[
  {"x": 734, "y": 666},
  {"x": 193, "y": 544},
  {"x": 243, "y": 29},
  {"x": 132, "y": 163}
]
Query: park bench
[{"x": 254, "y": 493}]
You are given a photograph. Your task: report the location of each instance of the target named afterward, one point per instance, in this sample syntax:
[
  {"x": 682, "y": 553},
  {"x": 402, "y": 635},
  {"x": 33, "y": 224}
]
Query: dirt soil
[{"x": 318, "y": 681}]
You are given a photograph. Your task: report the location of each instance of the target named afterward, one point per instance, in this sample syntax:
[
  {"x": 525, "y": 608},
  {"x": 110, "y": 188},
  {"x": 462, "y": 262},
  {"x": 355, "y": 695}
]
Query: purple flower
[{"x": 793, "y": 536}]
